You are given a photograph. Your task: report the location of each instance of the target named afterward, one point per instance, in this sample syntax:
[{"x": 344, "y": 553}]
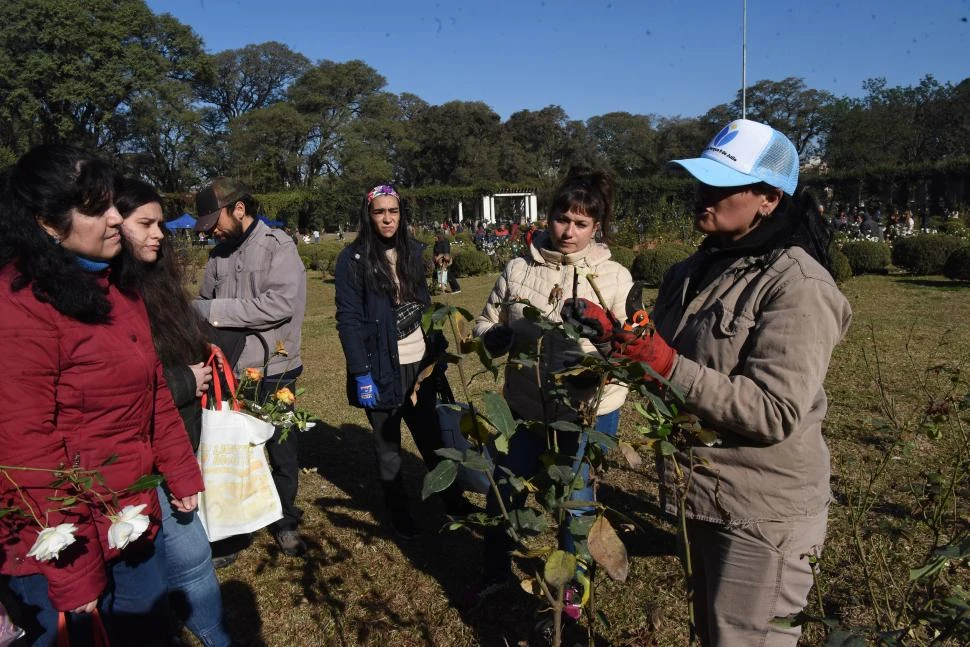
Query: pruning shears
[
  {"x": 639, "y": 318},
  {"x": 636, "y": 313}
]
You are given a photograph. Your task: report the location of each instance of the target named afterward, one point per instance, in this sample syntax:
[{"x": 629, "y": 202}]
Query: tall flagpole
[{"x": 744, "y": 60}]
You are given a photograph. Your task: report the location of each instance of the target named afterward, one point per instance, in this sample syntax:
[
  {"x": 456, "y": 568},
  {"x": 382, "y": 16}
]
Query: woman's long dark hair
[
  {"x": 812, "y": 232},
  {"x": 797, "y": 221},
  {"x": 44, "y": 186},
  {"x": 585, "y": 191},
  {"x": 177, "y": 330},
  {"x": 372, "y": 247},
  {"x": 800, "y": 223}
]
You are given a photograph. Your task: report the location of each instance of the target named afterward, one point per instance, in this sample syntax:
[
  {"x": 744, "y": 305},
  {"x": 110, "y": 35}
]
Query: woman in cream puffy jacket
[{"x": 562, "y": 262}]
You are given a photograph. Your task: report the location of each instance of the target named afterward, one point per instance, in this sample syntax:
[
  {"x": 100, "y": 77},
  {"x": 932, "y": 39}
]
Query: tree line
[{"x": 139, "y": 87}]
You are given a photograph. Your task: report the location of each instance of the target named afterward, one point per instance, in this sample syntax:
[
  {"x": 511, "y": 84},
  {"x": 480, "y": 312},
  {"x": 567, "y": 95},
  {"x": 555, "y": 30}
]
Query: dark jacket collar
[{"x": 716, "y": 254}]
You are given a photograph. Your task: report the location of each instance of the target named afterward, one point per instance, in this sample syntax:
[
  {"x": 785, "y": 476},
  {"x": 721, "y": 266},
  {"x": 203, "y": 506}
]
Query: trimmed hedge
[
  {"x": 841, "y": 269},
  {"x": 471, "y": 262},
  {"x": 190, "y": 254},
  {"x": 623, "y": 255},
  {"x": 957, "y": 266},
  {"x": 327, "y": 260},
  {"x": 650, "y": 265},
  {"x": 925, "y": 253},
  {"x": 866, "y": 256},
  {"x": 953, "y": 227},
  {"x": 321, "y": 256}
]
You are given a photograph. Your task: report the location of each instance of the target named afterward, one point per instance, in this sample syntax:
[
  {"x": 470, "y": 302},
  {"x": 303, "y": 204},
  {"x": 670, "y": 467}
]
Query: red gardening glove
[
  {"x": 594, "y": 323},
  {"x": 648, "y": 347}
]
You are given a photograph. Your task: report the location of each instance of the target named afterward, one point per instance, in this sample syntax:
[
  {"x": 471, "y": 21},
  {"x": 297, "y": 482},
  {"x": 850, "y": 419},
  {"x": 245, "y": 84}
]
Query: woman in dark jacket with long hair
[
  {"x": 148, "y": 265},
  {"x": 84, "y": 389},
  {"x": 381, "y": 293}
]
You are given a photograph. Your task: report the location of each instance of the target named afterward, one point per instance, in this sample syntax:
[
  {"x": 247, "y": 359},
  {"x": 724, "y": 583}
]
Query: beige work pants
[{"x": 745, "y": 576}]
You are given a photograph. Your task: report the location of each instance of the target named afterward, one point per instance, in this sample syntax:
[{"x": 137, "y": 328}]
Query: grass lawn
[{"x": 360, "y": 586}]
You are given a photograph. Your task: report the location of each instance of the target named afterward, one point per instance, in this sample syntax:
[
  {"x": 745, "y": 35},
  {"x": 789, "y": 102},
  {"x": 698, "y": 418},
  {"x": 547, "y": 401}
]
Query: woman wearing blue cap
[{"x": 751, "y": 319}]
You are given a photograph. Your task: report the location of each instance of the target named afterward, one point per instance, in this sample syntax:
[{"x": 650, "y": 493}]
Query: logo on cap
[{"x": 727, "y": 133}]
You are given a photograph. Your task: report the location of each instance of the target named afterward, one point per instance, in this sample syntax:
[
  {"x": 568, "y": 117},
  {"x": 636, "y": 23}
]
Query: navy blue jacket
[{"x": 367, "y": 328}]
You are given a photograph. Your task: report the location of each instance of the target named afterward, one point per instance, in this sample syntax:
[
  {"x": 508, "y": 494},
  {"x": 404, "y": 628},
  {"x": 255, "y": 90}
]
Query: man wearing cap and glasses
[{"x": 255, "y": 284}]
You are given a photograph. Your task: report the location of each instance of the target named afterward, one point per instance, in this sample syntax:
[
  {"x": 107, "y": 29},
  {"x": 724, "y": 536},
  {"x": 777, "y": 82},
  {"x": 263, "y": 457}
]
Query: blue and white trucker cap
[{"x": 746, "y": 152}]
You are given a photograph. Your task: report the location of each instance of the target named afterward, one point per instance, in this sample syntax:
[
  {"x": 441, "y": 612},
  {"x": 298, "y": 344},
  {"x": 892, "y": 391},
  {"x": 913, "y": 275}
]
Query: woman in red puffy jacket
[{"x": 82, "y": 389}]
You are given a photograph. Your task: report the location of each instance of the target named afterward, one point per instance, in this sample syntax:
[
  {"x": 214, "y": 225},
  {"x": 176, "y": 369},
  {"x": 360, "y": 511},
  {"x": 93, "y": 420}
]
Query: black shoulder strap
[{"x": 445, "y": 393}]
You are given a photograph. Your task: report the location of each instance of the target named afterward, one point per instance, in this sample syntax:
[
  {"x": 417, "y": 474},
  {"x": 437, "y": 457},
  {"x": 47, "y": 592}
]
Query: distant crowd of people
[{"x": 860, "y": 221}]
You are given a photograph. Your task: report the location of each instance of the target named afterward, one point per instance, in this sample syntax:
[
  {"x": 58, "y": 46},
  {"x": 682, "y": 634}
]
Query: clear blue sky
[{"x": 670, "y": 57}]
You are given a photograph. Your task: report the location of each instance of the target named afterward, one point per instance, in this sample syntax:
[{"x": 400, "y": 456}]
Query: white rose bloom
[
  {"x": 51, "y": 541},
  {"x": 127, "y": 526},
  {"x": 119, "y": 534}
]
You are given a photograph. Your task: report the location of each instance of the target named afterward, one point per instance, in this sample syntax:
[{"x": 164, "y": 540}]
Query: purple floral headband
[{"x": 382, "y": 189}]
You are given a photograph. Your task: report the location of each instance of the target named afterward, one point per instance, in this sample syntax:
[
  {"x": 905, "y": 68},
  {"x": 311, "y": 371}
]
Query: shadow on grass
[
  {"x": 242, "y": 613},
  {"x": 345, "y": 458},
  {"x": 351, "y": 582},
  {"x": 944, "y": 284},
  {"x": 649, "y": 539}
]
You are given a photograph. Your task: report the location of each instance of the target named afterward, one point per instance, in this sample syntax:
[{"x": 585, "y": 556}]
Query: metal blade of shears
[{"x": 634, "y": 300}]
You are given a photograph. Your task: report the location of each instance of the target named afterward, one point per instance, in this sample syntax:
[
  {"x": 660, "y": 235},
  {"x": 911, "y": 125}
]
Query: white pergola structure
[{"x": 527, "y": 199}]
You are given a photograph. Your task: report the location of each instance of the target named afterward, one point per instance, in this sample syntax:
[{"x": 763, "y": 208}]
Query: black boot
[{"x": 396, "y": 499}]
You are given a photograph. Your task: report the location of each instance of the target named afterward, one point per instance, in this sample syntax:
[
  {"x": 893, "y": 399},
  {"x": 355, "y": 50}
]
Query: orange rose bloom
[
  {"x": 285, "y": 396},
  {"x": 253, "y": 374}
]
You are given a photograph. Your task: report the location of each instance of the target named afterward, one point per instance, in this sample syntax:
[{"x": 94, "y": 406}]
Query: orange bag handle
[
  {"x": 100, "y": 633},
  {"x": 216, "y": 360}
]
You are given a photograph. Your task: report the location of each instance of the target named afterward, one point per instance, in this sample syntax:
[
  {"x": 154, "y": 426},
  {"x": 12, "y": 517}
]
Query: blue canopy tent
[
  {"x": 272, "y": 223},
  {"x": 185, "y": 221}
]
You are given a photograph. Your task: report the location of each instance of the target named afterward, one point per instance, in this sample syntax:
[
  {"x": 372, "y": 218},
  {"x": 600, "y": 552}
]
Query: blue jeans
[
  {"x": 134, "y": 605},
  {"x": 525, "y": 449},
  {"x": 192, "y": 583},
  {"x": 608, "y": 424}
]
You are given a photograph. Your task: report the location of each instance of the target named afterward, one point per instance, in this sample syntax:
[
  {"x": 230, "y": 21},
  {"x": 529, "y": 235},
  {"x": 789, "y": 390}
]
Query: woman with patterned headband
[{"x": 381, "y": 295}]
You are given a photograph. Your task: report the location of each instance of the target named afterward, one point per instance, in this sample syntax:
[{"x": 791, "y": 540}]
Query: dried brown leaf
[
  {"x": 631, "y": 455},
  {"x": 607, "y": 549}
]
